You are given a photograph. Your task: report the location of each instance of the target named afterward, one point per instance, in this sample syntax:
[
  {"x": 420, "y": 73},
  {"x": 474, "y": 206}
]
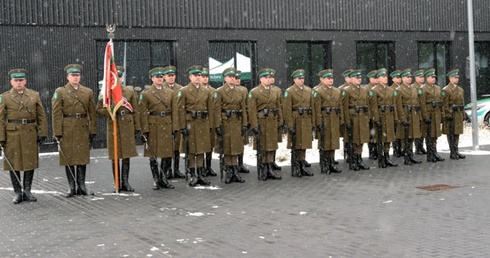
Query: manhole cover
[{"x": 437, "y": 187}]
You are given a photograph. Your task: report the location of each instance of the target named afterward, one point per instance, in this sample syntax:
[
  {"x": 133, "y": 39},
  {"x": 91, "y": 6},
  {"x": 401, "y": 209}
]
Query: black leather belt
[
  {"x": 457, "y": 107},
  {"x": 195, "y": 114},
  {"x": 359, "y": 108},
  {"x": 21, "y": 121},
  {"x": 384, "y": 108},
  {"x": 232, "y": 112},
  {"x": 266, "y": 111},
  {"x": 329, "y": 110},
  {"x": 435, "y": 103},
  {"x": 123, "y": 113},
  {"x": 302, "y": 111},
  {"x": 76, "y": 115},
  {"x": 159, "y": 113},
  {"x": 411, "y": 108}
]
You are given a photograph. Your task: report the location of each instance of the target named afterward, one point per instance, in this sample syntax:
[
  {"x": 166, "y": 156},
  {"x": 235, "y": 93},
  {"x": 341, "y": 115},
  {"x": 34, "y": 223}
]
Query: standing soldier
[
  {"x": 208, "y": 170},
  {"x": 385, "y": 99},
  {"x": 74, "y": 127},
  {"x": 357, "y": 112},
  {"x": 230, "y": 106},
  {"x": 419, "y": 82},
  {"x": 432, "y": 113},
  {"x": 298, "y": 117},
  {"x": 409, "y": 114},
  {"x": 128, "y": 127},
  {"x": 281, "y": 128},
  {"x": 22, "y": 127},
  {"x": 264, "y": 103},
  {"x": 196, "y": 118},
  {"x": 373, "y": 152},
  {"x": 328, "y": 117},
  {"x": 159, "y": 116},
  {"x": 238, "y": 76},
  {"x": 169, "y": 78},
  {"x": 343, "y": 132},
  {"x": 397, "y": 144},
  {"x": 453, "y": 98}
]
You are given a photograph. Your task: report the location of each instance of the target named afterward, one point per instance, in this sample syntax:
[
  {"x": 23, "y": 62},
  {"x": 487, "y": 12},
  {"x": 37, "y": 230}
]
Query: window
[
  {"x": 310, "y": 56},
  {"x": 482, "y": 56},
  {"x": 238, "y": 54},
  {"x": 138, "y": 57},
  {"x": 435, "y": 55},
  {"x": 375, "y": 55}
]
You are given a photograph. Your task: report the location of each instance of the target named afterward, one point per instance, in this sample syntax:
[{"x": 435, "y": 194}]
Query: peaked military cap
[
  {"x": 418, "y": 73},
  {"x": 156, "y": 71},
  {"x": 120, "y": 71},
  {"x": 298, "y": 73},
  {"x": 346, "y": 72},
  {"x": 453, "y": 73},
  {"x": 137, "y": 88},
  {"x": 355, "y": 73},
  {"x": 406, "y": 72},
  {"x": 266, "y": 72},
  {"x": 381, "y": 72},
  {"x": 372, "y": 74},
  {"x": 130, "y": 87},
  {"x": 17, "y": 73},
  {"x": 73, "y": 68},
  {"x": 430, "y": 72},
  {"x": 325, "y": 73},
  {"x": 395, "y": 73},
  {"x": 229, "y": 71},
  {"x": 238, "y": 74},
  {"x": 194, "y": 69},
  {"x": 205, "y": 71},
  {"x": 169, "y": 69}
]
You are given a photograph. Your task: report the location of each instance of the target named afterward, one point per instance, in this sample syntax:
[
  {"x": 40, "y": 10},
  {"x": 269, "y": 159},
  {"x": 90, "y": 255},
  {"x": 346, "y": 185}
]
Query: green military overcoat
[
  {"x": 127, "y": 123},
  {"x": 408, "y": 96},
  {"x": 178, "y": 137},
  {"x": 159, "y": 118},
  {"x": 244, "y": 91},
  {"x": 352, "y": 97},
  {"x": 432, "y": 108},
  {"x": 385, "y": 99},
  {"x": 328, "y": 111},
  {"x": 74, "y": 118},
  {"x": 453, "y": 99},
  {"x": 260, "y": 98},
  {"x": 294, "y": 98},
  {"x": 22, "y": 120}
]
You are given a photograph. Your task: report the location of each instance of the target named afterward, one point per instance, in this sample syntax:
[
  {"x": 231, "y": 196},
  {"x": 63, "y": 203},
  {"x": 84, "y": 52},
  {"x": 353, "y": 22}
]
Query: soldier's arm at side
[
  {"x": 101, "y": 110},
  {"x": 287, "y": 109},
  {"x": 143, "y": 109},
  {"x": 3, "y": 116},
  {"x": 42, "y": 123},
  {"x": 91, "y": 113},
  {"x": 57, "y": 113}
]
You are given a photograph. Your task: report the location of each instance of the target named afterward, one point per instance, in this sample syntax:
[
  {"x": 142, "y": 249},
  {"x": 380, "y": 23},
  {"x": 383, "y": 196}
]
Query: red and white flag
[{"x": 111, "y": 85}]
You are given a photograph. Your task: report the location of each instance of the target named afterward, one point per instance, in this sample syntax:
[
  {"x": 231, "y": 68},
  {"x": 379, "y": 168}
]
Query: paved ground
[{"x": 375, "y": 213}]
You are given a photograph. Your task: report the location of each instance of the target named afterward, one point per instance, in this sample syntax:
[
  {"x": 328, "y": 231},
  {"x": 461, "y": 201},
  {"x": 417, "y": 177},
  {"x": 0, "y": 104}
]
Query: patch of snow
[{"x": 207, "y": 187}]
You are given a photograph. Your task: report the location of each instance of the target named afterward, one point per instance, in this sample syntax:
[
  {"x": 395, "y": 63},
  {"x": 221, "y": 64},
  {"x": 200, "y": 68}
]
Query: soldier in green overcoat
[
  {"x": 419, "y": 82},
  {"x": 244, "y": 90},
  {"x": 299, "y": 120},
  {"x": 128, "y": 127},
  {"x": 159, "y": 121},
  {"x": 453, "y": 98},
  {"x": 208, "y": 170},
  {"x": 22, "y": 127},
  {"x": 74, "y": 126}
]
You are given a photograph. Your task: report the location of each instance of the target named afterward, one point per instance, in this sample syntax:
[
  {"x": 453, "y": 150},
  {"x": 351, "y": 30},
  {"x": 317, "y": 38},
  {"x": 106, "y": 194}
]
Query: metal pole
[{"x": 471, "y": 41}]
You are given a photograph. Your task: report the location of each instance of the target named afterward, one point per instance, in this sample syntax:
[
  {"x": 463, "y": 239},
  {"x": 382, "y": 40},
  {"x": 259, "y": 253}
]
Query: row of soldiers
[{"x": 197, "y": 118}]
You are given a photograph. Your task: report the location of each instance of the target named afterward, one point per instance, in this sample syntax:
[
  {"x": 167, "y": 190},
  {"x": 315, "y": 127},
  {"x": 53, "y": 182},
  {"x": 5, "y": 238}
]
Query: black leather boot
[
  {"x": 81, "y": 169},
  {"x": 372, "y": 151},
  {"x": 456, "y": 148},
  {"x": 436, "y": 155},
  {"x": 200, "y": 179},
  {"x": 303, "y": 170},
  {"x": 397, "y": 149},
  {"x": 333, "y": 169},
  {"x": 241, "y": 167},
  {"x": 270, "y": 172},
  {"x": 209, "y": 170},
  {"x": 306, "y": 164},
  {"x": 326, "y": 163},
  {"x": 236, "y": 177},
  {"x": 360, "y": 164},
  {"x": 167, "y": 167},
  {"x": 295, "y": 170},
  {"x": 15, "y": 178},
  {"x": 125, "y": 176},
  {"x": 388, "y": 161},
  {"x": 193, "y": 180},
  {"x": 155, "y": 174},
  {"x": 70, "y": 175},
  {"x": 28, "y": 177},
  {"x": 412, "y": 158},
  {"x": 162, "y": 178},
  {"x": 419, "y": 146},
  {"x": 274, "y": 165},
  {"x": 263, "y": 172},
  {"x": 228, "y": 175},
  {"x": 177, "y": 173}
]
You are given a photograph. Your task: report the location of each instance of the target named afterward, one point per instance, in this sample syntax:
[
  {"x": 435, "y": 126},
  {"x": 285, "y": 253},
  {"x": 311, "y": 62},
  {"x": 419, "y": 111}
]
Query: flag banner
[{"x": 111, "y": 85}]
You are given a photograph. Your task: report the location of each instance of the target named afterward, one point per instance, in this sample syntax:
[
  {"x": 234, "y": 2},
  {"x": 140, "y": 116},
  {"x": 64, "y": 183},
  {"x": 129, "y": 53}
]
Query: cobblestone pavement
[{"x": 374, "y": 213}]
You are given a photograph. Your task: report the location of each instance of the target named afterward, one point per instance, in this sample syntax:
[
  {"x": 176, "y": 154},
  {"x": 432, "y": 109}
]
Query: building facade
[{"x": 44, "y": 36}]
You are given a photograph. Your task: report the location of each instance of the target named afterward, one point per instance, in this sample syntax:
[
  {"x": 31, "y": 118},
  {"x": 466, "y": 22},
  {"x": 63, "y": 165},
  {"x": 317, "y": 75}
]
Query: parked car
[{"x": 482, "y": 110}]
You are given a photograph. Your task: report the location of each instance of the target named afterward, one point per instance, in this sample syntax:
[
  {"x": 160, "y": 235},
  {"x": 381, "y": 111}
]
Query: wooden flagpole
[{"x": 111, "y": 29}]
